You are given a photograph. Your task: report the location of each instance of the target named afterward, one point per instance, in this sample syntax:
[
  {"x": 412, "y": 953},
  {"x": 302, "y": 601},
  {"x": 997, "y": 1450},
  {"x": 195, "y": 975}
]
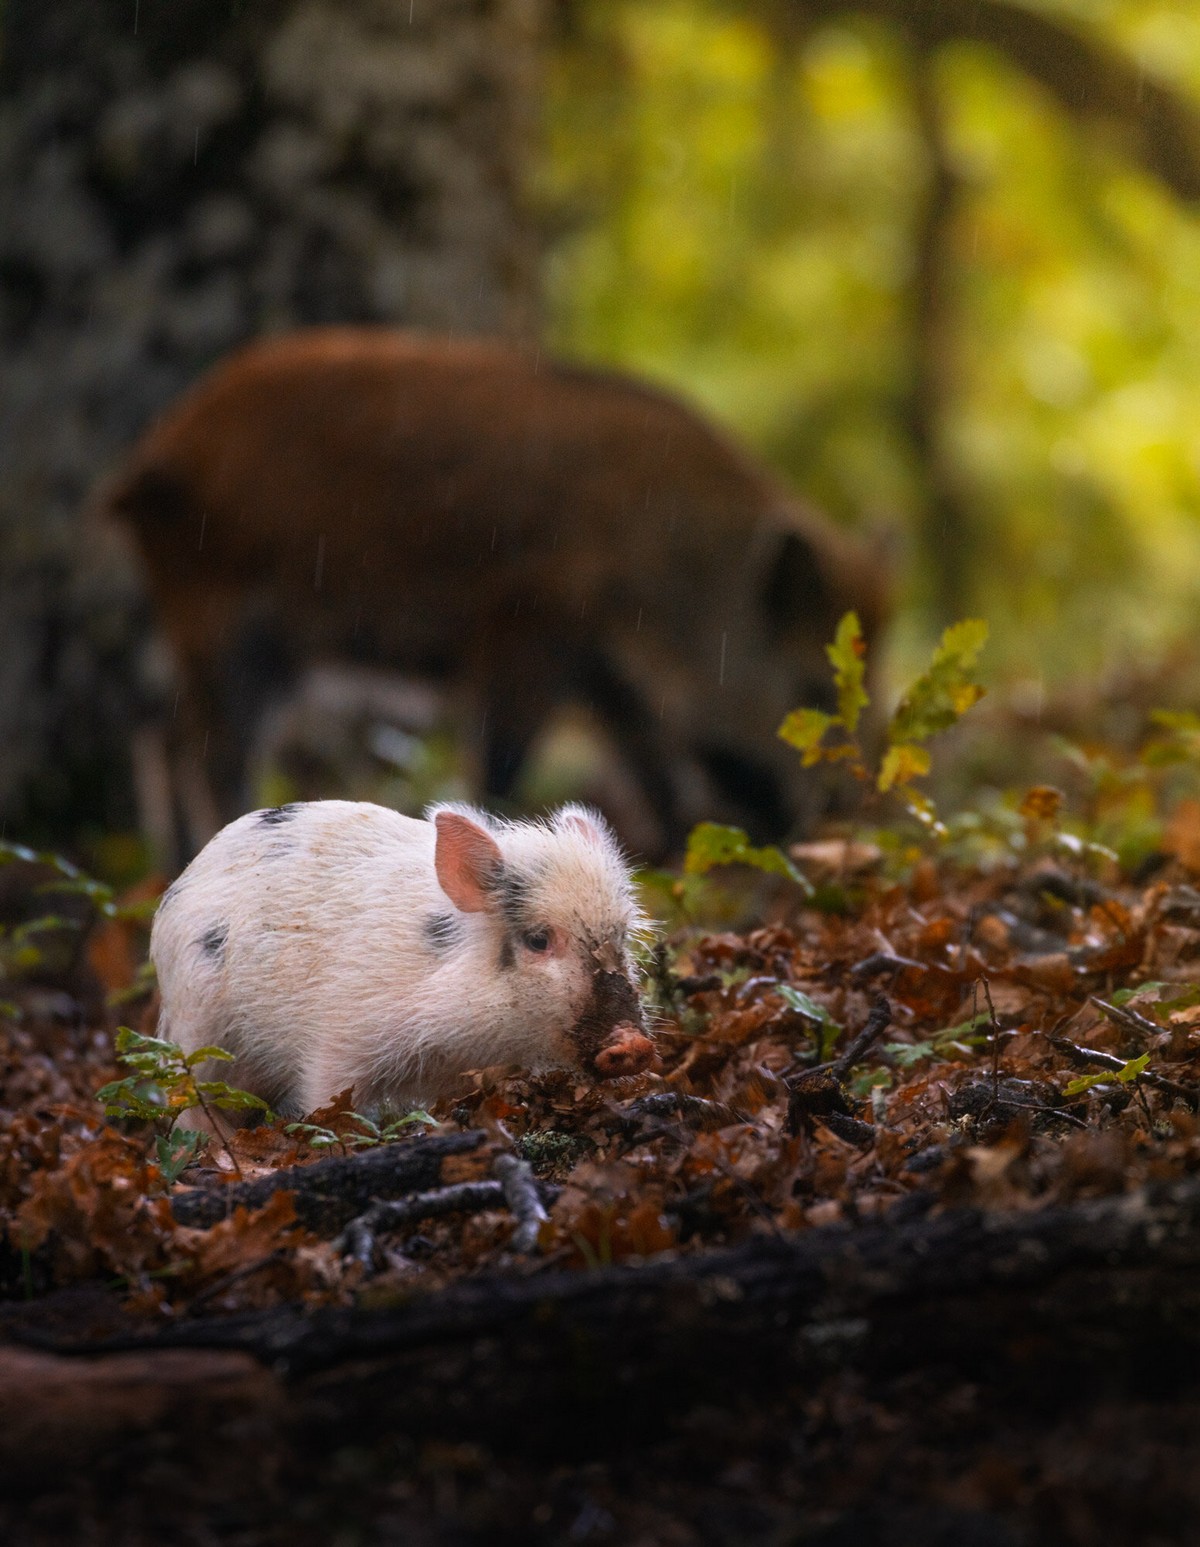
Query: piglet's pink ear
[
  {"x": 468, "y": 861},
  {"x": 576, "y": 819}
]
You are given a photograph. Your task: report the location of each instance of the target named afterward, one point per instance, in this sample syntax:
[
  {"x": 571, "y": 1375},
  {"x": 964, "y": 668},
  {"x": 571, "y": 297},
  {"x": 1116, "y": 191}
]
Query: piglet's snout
[
  {"x": 627, "y": 1051},
  {"x": 611, "y": 1034}
]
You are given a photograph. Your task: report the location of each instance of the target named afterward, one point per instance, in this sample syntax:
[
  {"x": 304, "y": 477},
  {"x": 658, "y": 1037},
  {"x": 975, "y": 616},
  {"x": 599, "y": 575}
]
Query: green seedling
[
  {"x": 1123, "y": 1076},
  {"x": 163, "y": 1086},
  {"x": 710, "y": 844},
  {"x": 367, "y": 1134},
  {"x": 951, "y": 1040},
  {"x": 28, "y": 947},
  {"x": 826, "y": 1029},
  {"x": 934, "y": 702}
]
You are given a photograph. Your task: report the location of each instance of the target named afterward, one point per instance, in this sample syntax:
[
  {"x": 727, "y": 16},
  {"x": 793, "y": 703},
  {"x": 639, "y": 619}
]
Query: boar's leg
[
  {"x": 229, "y": 693},
  {"x": 639, "y": 735},
  {"x": 750, "y": 789},
  {"x": 525, "y": 679},
  {"x": 520, "y": 682}
]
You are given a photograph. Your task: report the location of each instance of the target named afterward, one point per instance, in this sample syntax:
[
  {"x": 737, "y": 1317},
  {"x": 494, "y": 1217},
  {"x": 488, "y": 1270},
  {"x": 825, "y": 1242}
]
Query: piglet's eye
[{"x": 537, "y": 939}]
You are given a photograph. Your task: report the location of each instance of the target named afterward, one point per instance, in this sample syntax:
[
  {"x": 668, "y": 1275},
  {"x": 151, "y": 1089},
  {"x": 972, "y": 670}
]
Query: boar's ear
[
  {"x": 468, "y": 861},
  {"x": 795, "y": 586}
]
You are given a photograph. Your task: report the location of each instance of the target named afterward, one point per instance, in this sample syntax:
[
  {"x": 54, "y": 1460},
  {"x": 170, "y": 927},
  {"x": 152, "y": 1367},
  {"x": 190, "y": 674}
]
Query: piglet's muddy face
[{"x": 610, "y": 1035}]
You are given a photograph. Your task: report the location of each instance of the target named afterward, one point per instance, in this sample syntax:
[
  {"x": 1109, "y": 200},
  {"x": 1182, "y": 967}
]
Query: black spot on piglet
[
  {"x": 212, "y": 941},
  {"x": 277, "y": 815},
  {"x": 441, "y": 930}
]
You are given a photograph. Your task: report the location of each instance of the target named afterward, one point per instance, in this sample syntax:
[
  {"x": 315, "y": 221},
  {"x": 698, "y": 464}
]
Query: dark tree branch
[{"x": 1092, "y": 81}]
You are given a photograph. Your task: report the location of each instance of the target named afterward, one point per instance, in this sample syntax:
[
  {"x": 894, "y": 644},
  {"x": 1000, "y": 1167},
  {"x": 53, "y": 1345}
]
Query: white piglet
[{"x": 335, "y": 944}]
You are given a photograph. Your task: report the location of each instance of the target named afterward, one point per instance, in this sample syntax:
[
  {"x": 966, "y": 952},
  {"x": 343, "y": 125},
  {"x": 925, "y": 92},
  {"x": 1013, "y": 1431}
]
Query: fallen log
[
  {"x": 1094, "y": 1290},
  {"x": 329, "y": 1193},
  {"x": 872, "y": 1371}
]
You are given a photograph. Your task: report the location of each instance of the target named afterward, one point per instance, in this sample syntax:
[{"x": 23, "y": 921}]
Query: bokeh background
[{"x": 938, "y": 264}]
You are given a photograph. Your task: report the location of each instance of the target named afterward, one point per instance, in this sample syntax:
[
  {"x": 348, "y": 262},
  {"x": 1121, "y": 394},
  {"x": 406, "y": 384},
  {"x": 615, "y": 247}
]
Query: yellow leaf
[{"x": 901, "y": 764}]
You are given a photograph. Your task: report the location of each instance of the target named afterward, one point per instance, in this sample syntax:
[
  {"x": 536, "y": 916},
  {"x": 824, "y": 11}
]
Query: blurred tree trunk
[
  {"x": 176, "y": 177},
  {"x": 946, "y": 534}
]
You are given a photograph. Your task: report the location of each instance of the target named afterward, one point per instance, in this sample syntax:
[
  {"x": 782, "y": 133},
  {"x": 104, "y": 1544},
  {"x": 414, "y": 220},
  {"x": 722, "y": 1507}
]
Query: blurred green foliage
[{"x": 735, "y": 213}]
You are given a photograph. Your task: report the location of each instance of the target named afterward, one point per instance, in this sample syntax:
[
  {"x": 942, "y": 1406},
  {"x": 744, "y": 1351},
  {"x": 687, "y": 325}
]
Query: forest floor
[{"x": 901, "y": 1244}]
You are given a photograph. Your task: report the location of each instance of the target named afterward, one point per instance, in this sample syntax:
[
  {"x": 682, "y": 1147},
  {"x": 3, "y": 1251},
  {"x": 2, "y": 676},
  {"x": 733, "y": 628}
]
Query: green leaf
[
  {"x": 323, "y": 1136},
  {"x": 143, "y": 983},
  {"x": 43, "y": 926},
  {"x": 1181, "y": 744},
  {"x": 1124, "y": 995},
  {"x": 804, "y": 729},
  {"x": 176, "y": 1150},
  {"x": 946, "y": 690},
  {"x": 828, "y": 1029},
  {"x": 866, "y": 1080},
  {"x": 971, "y": 1032},
  {"x": 418, "y": 1115},
  {"x": 132, "y": 1097},
  {"x": 710, "y": 844},
  {"x": 805, "y": 1004},
  {"x": 848, "y": 656},
  {"x": 1122, "y": 1076},
  {"x": 82, "y": 886},
  {"x": 152, "y": 1063},
  {"x": 908, "y": 1053},
  {"x": 129, "y": 1040},
  {"x": 218, "y": 1054},
  {"x": 1082, "y": 848},
  {"x": 229, "y": 1098}
]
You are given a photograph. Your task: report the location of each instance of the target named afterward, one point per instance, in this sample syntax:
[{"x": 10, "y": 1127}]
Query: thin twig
[
  {"x": 1126, "y": 1019},
  {"x": 886, "y": 961},
  {"x": 521, "y": 1194},
  {"x": 877, "y": 1023},
  {"x": 995, "y": 1025},
  {"x": 1130, "y": 1020},
  {"x": 358, "y": 1239},
  {"x": 1083, "y": 1057},
  {"x": 220, "y": 1132}
]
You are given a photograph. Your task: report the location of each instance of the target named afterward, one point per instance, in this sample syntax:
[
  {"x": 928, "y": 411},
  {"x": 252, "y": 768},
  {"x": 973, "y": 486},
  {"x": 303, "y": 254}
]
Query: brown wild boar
[{"x": 526, "y": 533}]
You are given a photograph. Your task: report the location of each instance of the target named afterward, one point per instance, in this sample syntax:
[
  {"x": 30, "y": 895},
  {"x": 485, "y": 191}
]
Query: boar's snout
[{"x": 627, "y": 1051}]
